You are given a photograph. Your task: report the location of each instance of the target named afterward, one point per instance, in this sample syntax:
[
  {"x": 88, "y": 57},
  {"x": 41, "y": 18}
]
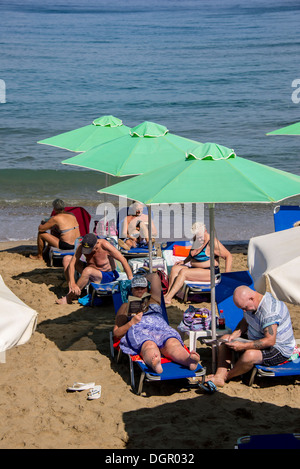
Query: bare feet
[
  {"x": 194, "y": 359},
  {"x": 65, "y": 300},
  {"x": 217, "y": 380},
  {"x": 156, "y": 363},
  {"x": 36, "y": 258},
  {"x": 167, "y": 301}
]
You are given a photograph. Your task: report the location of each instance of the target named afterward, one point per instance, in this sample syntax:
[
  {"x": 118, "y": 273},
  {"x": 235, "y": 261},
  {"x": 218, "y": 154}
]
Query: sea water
[{"x": 222, "y": 71}]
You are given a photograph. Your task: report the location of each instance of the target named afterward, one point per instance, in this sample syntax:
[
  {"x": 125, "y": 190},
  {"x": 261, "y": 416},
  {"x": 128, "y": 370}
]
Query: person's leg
[
  {"x": 177, "y": 353},
  {"x": 173, "y": 275},
  {"x": 41, "y": 239},
  {"x": 143, "y": 233},
  {"x": 244, "y": 364},
  {"x": 193, "y": 274},
  {"x": 151, "y": 355},
  {"x": 87, "y": 274},
  {"x": 127, "y": 244},
  {"x": 224, "y": 363},
  {"x": 66, "y": 261}
]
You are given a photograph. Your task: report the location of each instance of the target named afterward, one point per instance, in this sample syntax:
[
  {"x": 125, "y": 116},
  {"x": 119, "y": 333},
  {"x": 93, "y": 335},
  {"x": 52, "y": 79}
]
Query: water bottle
[{"x": 221, "y": 320}]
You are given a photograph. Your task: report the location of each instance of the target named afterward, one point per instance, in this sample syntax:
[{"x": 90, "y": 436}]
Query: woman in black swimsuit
[{"x": 64, "y": 224}]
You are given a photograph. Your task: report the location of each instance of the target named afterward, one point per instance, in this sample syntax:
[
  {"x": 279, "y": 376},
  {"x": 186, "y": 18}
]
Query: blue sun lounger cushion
[
  {"x": 276, "y": 441},
  {"x": 285, "y": 216}
]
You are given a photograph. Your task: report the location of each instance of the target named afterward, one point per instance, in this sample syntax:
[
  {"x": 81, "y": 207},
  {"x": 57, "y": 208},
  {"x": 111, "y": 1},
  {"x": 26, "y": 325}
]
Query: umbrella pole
[
  {"x": 150, "y": 238},
  {"x": 212, "y": 283}
]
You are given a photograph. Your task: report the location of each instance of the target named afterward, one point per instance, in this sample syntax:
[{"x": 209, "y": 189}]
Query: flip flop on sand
[
  {"x": 208, "y": 387},
  {"x": 81, "y": 386},
  {"x": 94, "y": 393}
]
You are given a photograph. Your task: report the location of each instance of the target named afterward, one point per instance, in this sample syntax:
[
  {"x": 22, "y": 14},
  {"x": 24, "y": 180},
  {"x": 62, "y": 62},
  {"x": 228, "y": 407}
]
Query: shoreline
[{"x": 71, "y": 344}]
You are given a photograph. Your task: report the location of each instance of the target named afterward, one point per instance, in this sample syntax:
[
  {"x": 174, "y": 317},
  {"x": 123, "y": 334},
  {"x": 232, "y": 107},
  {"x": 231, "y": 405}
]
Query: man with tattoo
[{"x": 268, "y": 328}]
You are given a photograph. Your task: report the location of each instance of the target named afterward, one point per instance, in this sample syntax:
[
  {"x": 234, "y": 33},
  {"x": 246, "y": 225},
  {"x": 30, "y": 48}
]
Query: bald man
[{"x": 267, "y": 326}]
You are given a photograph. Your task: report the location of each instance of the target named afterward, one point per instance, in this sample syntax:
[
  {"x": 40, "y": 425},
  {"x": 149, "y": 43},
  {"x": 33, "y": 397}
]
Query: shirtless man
[
  {"x": 65, "y": 224},
  {"x": 135, "y": 228},
  {"x": 100, "y": 266}
]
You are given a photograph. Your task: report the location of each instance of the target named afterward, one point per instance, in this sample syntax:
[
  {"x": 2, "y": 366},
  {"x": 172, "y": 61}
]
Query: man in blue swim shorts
[{"x": 99, "y": 266}]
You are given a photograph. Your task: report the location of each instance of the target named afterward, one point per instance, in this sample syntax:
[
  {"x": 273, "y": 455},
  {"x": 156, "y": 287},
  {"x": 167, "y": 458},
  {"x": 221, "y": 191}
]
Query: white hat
[{"x": 139, "y": 281}]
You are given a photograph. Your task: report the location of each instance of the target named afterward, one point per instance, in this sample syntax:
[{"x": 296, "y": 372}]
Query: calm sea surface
[{"x": 218, "y": 71}]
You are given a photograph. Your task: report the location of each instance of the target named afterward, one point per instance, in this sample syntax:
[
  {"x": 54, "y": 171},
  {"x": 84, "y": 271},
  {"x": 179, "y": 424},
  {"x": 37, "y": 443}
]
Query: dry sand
[{"x": 71, "y": 344}]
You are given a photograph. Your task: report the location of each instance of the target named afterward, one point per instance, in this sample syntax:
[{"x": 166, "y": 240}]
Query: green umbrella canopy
[
  {"x": 147, "y": 146},
  {"x": 293, "y": 129},
  {"x": 101, "y": 130},
  {"x": 210, "y": 173}
]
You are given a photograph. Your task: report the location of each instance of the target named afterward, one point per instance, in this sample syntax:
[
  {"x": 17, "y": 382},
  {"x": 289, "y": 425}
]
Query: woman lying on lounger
[
  {"x": 147, "y": 333},
  {"x": 199, "y": 259}
]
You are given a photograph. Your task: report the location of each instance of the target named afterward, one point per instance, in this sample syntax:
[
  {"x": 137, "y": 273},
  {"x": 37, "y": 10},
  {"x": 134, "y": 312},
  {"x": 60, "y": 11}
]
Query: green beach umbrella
[
  {"x": 293, "y": 129},
  {"x": 146, "y": 147},
  {"x": 209, "y": 174},
  {"x": 101, "y": 130}
]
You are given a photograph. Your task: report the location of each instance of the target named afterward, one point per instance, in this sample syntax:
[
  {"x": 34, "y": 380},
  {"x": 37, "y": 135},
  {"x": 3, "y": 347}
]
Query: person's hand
[
  {"x": 137, "y": 318},
  {"x": 236, "y": 345},
  {"x": 74, "y": 289},
  {"x": 179, "y": 263}
]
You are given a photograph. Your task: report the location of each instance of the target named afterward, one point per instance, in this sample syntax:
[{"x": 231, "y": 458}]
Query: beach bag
[
  {"x": 195, "y": 319},
  {"x": 164, "y": 280}
]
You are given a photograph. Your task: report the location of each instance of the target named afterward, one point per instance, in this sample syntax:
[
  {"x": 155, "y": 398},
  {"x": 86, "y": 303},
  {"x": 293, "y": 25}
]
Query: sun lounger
[
  {"x": 55, "y": 253},
  {"x": 285, "y": 216},
  {"x": 291, "y": 368},
  {"x": 189, "y": 288},
  {"x": 98, "y": 290},
  {"x": 171, "y": 370},
  {"x": 277, "y": 441}
]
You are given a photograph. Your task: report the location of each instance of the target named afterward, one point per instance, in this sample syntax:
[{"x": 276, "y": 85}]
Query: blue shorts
[{"x": 109, "y": 276}]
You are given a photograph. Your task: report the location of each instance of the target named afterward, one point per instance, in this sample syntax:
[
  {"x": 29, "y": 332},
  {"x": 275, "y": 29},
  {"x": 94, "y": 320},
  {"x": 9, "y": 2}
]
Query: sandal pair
[{"x": 94, "y": 393}]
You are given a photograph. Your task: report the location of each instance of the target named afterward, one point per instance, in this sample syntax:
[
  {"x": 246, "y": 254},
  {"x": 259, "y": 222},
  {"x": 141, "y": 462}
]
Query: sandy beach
[{"x": 71, "y": 344}]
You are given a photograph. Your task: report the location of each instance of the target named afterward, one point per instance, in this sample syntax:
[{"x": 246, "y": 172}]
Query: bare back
[{"x": 68, "y": 228}]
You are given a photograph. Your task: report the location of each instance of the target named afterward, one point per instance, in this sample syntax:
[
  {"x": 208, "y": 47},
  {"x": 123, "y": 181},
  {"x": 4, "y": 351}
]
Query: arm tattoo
[
  {"x": 258, "y": 345},
  {"x": 270, "y": 330}
]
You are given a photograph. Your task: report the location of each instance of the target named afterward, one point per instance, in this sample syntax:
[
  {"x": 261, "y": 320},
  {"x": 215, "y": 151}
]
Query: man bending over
[
  {"x": 99, "y": 268},
  {"x": 268, "y": 327}
]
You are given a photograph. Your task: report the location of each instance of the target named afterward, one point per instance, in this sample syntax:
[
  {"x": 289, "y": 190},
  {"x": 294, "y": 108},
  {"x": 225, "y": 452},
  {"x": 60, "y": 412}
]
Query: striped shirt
[{"x": 272, "y": 311}]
